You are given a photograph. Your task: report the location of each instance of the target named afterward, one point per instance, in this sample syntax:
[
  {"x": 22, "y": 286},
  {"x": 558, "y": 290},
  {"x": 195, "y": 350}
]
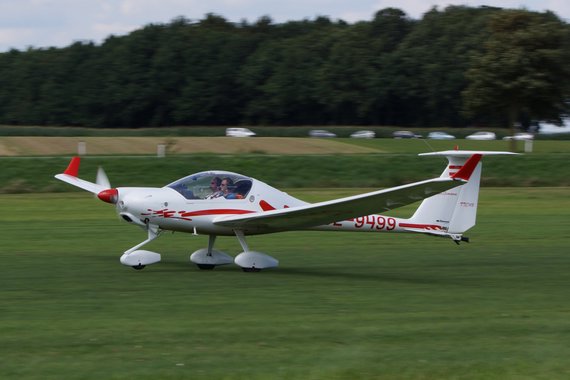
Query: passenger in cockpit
[{"x": 226, "y": 186}]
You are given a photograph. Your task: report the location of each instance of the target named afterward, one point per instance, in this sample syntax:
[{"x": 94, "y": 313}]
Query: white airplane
[{"x": 223, "y": 203}]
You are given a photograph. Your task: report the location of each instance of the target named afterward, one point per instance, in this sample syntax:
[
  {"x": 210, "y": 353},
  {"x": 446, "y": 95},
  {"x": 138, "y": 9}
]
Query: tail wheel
[{"x": 139, "y": 267}]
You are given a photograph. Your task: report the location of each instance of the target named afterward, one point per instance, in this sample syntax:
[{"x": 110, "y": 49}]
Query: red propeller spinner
[{"x": 109, "y": 195}]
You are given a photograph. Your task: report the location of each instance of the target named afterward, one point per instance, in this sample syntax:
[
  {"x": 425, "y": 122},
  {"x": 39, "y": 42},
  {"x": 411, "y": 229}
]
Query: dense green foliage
[
  {"x": 516, "y": 75},
  {"x": 340, "y": 305},
  {"x": 391, "y": 70}
]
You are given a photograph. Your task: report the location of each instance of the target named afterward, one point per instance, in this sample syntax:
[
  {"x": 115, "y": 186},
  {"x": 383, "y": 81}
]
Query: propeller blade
[{"x": 102, "y": 178}]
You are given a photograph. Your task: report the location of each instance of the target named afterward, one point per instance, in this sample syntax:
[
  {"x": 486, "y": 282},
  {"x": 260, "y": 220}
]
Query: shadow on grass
[
  {"x": 356, "y": 275},
  {"x": 348, "y": 273}
]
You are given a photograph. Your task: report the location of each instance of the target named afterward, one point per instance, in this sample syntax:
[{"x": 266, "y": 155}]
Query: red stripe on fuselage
[{"x": 219, "y": 211}]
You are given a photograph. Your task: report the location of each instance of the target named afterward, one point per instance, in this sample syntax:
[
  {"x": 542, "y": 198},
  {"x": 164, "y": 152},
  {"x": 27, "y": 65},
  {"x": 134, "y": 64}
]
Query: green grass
[
  {"x": 340, "y": 306},
  {"x": 35, "y": 174}
]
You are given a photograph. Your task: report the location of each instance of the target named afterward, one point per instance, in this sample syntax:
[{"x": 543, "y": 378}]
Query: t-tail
[{"x": 454, "y": 211}]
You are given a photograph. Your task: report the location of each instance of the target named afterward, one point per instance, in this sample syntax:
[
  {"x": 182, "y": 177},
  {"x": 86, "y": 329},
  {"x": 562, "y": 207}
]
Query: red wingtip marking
[
  {"x": 468, "y": 168},
  {"x": 73, "y": 167},
  {"x": 265, "y": 206}
]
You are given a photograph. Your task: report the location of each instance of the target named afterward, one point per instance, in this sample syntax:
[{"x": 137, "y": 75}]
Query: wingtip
[{"x": 73, "y": 167}]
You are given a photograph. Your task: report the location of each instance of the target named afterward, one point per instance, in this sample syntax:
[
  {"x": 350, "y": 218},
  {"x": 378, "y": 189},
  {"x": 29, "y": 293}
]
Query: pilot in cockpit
[{"x": 215, "y": 187}]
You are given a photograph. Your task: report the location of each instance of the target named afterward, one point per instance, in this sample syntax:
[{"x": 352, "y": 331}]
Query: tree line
[{"x": 454, "y": 67}]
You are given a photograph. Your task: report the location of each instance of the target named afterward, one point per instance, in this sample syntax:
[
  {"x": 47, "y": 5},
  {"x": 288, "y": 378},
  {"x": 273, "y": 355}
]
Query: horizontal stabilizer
[{"x": 466, "y": 153}]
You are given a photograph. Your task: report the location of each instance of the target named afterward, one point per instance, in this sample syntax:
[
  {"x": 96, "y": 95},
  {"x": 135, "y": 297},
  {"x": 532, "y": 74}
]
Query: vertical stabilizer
[{"x": 455, "y": 210}]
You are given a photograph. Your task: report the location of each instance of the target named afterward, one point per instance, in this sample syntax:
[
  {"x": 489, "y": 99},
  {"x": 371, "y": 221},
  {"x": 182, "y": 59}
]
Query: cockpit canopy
[{"x": 213, "y": 185}]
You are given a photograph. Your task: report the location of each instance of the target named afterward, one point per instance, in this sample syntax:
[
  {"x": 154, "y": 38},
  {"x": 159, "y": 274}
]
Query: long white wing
[
  {"x": 321, "y": 213},
  {"x": 78, "y": 182}
]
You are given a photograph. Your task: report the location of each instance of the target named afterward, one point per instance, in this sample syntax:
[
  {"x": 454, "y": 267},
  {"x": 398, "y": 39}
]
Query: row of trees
[{"x": 458, "y": 66}]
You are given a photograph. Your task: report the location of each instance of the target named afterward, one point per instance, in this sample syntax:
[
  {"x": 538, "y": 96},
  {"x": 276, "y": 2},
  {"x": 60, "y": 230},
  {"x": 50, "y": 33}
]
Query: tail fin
[{"x": 455, "y": 210}]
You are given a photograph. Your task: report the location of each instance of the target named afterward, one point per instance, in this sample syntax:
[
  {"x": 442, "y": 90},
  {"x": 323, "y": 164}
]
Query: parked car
[
  {"x": 440, "y": 136},
  {"x": 363, "y": 134},
  {"x": 482, "y": 136},
  {"x": 239, "y": 132},
  {"x": 520, "y": 136},
  {"x": 321, "y": 133},
  {"x": 406, "y": 135}
]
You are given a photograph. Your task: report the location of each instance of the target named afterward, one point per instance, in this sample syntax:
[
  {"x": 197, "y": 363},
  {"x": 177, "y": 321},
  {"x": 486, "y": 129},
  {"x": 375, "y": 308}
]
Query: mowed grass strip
[
  {"x": 137, "y": 145},
  {"x": 340, "y": 306},
  {"x": 57, "y": 146}
]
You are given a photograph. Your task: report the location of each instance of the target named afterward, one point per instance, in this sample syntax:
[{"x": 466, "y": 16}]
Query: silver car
[
  {"x": 520, "y": 136},
  {"x": 482, "y": 136},
  {"x": 321, "y": 133},
  {"x": 363, "y": 135},
  {"x": 440, "y": 136},
  {"x": 239, "y": 132}
]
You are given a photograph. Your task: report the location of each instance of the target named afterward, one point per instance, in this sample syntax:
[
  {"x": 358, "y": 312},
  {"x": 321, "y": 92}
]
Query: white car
[
  {"x": 239, "y": 132},
  {"x": 363, "y": 135},
  {"x": 520, "y": 136},
  {"x": 440, "y": 136},
  {"x": 321, "y": 133},
  {"x": 406, "y": 135},
  {"x": 482, "y": 136}
]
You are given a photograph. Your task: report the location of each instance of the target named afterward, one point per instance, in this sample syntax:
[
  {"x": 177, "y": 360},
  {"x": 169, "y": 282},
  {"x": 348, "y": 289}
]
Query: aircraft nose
[{"x": 109, "y": 195}]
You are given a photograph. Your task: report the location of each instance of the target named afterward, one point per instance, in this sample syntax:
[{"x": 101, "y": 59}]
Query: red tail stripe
[{"x": 468, "y": 168}]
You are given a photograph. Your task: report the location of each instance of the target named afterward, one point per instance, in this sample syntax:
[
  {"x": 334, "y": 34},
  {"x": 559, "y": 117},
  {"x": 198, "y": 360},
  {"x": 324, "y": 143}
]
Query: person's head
[
  {"x": 225, "y": 184},
  {"x": 215, "y": 183}
]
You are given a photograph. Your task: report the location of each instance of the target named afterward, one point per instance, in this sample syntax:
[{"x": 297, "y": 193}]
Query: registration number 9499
[{"x": 375, "y": 222}]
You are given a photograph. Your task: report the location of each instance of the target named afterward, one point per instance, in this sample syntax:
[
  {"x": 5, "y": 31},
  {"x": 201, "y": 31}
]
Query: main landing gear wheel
[
  {"x": 139, "y": 267},
  {"x": 251, "y": 270},
  {"x": 209, "y": 258}
]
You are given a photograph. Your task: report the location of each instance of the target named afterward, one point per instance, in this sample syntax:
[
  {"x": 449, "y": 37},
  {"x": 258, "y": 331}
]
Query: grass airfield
[{"x": 340, "y": 306}]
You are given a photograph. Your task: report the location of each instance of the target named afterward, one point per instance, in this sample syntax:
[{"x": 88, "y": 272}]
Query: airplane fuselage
[{"x": 167, "y": 209}]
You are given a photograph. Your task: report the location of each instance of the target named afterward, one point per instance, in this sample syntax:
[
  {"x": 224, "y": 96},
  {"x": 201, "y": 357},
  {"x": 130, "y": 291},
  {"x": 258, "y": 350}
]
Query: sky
[{"x": 59, "y": 23}]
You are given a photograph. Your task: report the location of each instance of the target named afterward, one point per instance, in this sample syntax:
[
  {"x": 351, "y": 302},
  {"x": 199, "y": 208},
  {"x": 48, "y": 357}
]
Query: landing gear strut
[
  {"x": 138, "y": 258},
  {"x": 252, "y": 261}
]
